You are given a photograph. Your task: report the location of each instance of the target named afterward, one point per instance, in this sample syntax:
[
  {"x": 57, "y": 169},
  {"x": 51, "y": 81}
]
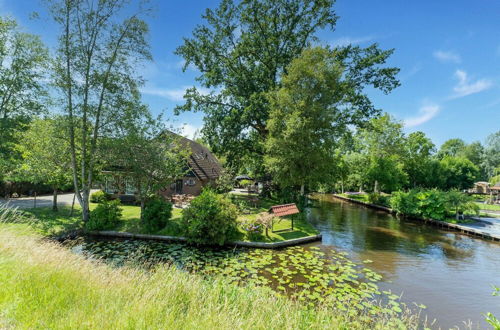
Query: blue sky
[{"x": 448, "y": 52}]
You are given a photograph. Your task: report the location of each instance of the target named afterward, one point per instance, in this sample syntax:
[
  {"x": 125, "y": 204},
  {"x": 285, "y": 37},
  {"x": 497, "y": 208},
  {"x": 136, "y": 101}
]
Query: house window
[
  {"x": 111, "y": 186},
  {"x": 129, "y": 187},
  {"x": 190, "y": 182}
]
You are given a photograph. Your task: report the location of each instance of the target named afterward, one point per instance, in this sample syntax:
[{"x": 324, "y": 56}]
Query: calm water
[{"x": 452, "y": 274}]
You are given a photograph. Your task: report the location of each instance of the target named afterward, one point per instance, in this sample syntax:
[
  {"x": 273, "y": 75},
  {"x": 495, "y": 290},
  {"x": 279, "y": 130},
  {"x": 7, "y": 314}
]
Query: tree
[
  {"x": 310, "y": 113},
  {"x": 458, "y": 172},
  {"x": 100, "y": 45},
  {"x": 491, "y": 160},
  {"x": 418, "y": 161},
  {"x": 44, "y": 149},
  {"x": 24, "y": 60},
  {"x": 243, "y": 50},
  {"x": 382, "y": 142},
  {"x": 452, "y": 148},
  {"x": 145, "y": 153}
]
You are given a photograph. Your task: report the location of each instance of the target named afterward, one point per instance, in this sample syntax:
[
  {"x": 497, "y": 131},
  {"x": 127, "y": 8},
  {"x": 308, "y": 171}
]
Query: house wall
[{"x": 194, "y": 190}]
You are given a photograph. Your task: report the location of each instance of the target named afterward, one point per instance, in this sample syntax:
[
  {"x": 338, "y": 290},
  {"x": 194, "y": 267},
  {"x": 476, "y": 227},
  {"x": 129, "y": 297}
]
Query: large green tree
[
  {"x": 243, "y": 49},
  {"x": 44, "y": 148},
  {"x": 419, "y": 162},
  {"x": 311, "y": 112},
  {"x": 382, "y": 142},
  {"x": 101, "y": 43},
  {"x": 23, "y": 63},
  {"x": 491, "y": 161}
]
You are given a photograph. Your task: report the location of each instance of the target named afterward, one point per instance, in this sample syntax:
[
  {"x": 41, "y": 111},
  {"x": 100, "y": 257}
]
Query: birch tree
[{"x": 101, "y": 44}]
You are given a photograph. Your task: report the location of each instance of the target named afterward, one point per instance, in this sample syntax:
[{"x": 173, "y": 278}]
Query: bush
[
  {"x": 105, "y": 216},
  {"x": 210, "y": 219},
  {"x": 405, "y": 202},
  {"x": 156, "y": 214},
  {"x": 432, "y": 203},
  {"x": 99, "y": 197},
  {"x": 253, "y": 229}
]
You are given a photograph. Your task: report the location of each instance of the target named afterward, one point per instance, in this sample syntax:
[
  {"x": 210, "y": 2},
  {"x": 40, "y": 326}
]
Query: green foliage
[
  {"x": 105, "y": 216},
  {"x": 246, "y": 183},
  {"x": 99, "y": 197},
  {"x": 156, "y": 215},
  {"x": 458, "y": 173},
  {"x": 224, "y": 183},
  {"x": 244, "y": 48},
  {"x": 489, "y": 317},
  {"x": 405, "y": 203},
  {"x": 378, "y": 199},
  {"x": 210, "y": 219},
  {"x": 23, "y": 68},
  {"x": 253, "y": 229},
  {"x": 432, "y": 203},
  {"x": 304, "y": 126}
]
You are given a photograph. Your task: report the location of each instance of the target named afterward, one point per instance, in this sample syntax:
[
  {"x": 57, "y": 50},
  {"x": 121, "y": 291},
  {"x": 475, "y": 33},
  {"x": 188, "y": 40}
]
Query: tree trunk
[
  {"x": 342, "y": 185},
  {"x": 302, "y": 189},
  {"x": 73, "y": 205},
  {"x": 34, "y": 201},
  {"x": 85, "y": 205},
  {"x": 375, "y": 187},
  {"x": 142, "y": 210},
  {"x": 54, "y": 201}
]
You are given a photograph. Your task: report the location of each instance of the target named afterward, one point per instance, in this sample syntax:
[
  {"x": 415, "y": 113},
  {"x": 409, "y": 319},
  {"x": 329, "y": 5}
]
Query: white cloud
[
  {"x": 172, "y": 94},
  {"x": 189, "y": 131},
  {"x": 447, "y": 56},
  {"x": 465, "y": 87},
  {"x": 426, "y": 113},
  {"x": 345, "y": 41}
]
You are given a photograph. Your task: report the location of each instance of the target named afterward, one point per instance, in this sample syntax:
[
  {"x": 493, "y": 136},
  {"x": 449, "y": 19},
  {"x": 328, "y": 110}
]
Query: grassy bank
[
  {"x": 53, "y": 223},
  {"x": 44, "y": 285}
]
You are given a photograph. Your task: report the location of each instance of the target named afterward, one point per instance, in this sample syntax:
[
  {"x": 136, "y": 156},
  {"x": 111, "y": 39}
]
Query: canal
[{"x": 451, "y": 273}]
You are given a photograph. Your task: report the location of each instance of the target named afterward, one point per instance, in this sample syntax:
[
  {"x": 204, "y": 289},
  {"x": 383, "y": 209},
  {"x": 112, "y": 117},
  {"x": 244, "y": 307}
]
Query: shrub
[
  {"x": 432, "y": 204},
  {"x": 405, "y": 202},
  {"x": 156, "y": 214},
  {"x": 378, "y": 199},
  {"x": 253, "y": 229},
  {"x": 105, "y": 216},
  {"x": 210, "y": 219},
  {"x": 99, "y": 197}
]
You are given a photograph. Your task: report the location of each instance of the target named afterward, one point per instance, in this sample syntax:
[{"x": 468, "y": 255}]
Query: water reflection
[{"x": 449, "y": 272}]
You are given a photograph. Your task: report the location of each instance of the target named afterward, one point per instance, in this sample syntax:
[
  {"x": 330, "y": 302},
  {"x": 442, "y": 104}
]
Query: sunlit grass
[
  {"x": 44, "y": 285},
  {"x": 53, "y": 223}
]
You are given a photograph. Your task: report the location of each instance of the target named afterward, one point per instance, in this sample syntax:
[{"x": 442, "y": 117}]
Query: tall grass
[{"x": 44, "y": 285}]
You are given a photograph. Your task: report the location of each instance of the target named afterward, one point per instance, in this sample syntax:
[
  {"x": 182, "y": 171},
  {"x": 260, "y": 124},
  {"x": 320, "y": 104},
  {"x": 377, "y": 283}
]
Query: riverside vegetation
[{"x": 45, "y": 285}]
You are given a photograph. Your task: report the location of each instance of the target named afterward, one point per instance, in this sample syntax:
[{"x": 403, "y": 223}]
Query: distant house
[
  {"x": 481, "y": 187},
  {"x": 202, "y": 169}
]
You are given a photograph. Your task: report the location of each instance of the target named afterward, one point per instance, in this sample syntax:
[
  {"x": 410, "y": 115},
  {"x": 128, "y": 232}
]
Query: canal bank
[{"x": 482, "y": 228}]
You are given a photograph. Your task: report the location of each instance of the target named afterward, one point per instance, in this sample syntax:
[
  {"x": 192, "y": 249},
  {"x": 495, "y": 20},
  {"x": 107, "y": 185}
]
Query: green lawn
[
  {"x": 52, "y": 223},
  {"x": 488, "y": 207}
]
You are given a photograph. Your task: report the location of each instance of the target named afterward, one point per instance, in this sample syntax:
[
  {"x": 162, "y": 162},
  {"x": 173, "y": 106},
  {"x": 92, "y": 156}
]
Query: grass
[
  {"x": 54, "y": 223},
  {"x": 489, "y": 207},
  {"x": 46, "y": 286}
]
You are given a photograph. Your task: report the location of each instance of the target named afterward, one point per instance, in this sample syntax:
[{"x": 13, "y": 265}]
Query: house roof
[
  {"x": 202, "y": 161},
  {"x": 285, "y": 209}
]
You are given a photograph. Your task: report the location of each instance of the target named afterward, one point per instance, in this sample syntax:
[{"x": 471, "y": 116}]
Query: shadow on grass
[{"x": 55, "y": 223}]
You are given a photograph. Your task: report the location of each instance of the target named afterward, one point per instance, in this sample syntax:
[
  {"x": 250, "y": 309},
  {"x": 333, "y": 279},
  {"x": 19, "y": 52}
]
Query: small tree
[
  {"x": 44, "y": 149},
  {"x": 459, "y": 203},
  {"x": 148, "y": 155}
]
